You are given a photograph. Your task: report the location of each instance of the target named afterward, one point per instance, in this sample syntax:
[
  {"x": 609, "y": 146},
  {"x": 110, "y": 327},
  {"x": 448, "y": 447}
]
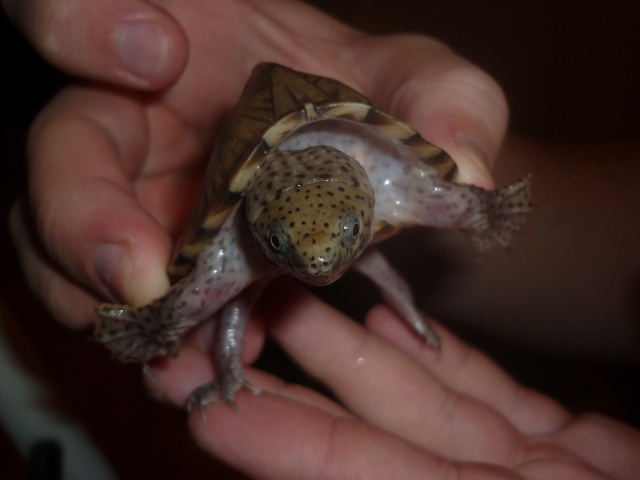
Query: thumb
[
  {"x": 452, "y": 103},
  {"x": 125, "y": 42}
]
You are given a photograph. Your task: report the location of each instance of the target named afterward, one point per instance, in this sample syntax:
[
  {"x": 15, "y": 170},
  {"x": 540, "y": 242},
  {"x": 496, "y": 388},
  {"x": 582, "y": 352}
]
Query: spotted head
[{"x": 311, "y": 211}]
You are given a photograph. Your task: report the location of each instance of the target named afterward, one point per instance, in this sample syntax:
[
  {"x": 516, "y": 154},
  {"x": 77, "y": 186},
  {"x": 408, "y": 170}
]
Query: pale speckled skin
[
  {"x": 379, "y": 185},
  {"x": 316, "y": 205}
]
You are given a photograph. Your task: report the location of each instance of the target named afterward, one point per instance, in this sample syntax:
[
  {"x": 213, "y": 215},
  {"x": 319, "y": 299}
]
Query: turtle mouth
[
  {"x": 318, "y": 280},
  {"x": 319, "y": 272}
]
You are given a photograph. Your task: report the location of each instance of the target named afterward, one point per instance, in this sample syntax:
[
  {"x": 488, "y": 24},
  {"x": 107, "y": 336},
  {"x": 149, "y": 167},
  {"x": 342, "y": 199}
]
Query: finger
[
  {"x": 384, "y": 385},
  {"x": 66, "y": 299},
  {"x": 607, "y": 443},
  {"x": 470, "y": 372},
  {"x": 451, "y": 102},
  {"x": 175, "y": 379},
  {"x": 289, "y": 439},
  {"x": 85, "y": 205},
  {"x": 126, "y": 42}
]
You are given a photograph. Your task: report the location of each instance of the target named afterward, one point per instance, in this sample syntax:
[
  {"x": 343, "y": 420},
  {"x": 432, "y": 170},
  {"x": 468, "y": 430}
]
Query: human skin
[{"x": 109, "y": 169}]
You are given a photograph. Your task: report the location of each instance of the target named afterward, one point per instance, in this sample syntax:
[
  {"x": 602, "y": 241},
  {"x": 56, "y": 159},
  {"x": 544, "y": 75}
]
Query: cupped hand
[
  {"x": 405, "y": 411},
  {"x": 113, "y": 172}
]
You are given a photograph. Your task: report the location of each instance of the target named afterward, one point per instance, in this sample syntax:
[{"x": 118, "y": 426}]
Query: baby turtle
[{"x": 310, "y": 172}]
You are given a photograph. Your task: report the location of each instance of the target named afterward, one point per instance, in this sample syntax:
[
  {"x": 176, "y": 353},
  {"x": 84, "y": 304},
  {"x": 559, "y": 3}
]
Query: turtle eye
[
  {"x": 355, "y": 229},
  {"x": 351, "y": 226},
  {"x": 277, "y": 240}
]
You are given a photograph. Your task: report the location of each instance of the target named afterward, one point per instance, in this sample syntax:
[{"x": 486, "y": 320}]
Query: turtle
[{"x": 305, "y": 177}]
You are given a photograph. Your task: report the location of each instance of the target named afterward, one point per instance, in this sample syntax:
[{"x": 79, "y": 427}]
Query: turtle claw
[
  {"x": 430, "y": 335},
  {"x": 219, "y": 390}
]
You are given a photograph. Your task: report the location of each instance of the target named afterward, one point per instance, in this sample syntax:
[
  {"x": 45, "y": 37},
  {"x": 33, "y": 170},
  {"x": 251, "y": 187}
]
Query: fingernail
[
  {"x": 112, "y": 266},
  {"x": 143, "y": 48},
  {"x": 471, "y": 149}
]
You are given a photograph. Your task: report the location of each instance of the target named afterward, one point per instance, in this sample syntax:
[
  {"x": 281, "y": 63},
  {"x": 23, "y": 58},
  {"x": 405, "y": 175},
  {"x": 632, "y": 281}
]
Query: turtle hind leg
[
  {"x": 502, "y": 213},
  {"x": 396, "y": 292},
  {"x": 230, "y": 374},
  {"x": 136, "y": 334}
]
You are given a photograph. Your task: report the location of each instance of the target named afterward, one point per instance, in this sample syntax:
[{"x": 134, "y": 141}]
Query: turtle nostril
[{"x": 316, "y": 268}]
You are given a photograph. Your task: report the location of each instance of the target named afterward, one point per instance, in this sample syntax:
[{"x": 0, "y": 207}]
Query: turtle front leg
[
  {"x": 156, "y": 329},
  {"x": 488, "y": 217},
  {"x": 230, "y": 373},
  {"x": 396, "y": 292},
  {"x": 224, "y": 268}
]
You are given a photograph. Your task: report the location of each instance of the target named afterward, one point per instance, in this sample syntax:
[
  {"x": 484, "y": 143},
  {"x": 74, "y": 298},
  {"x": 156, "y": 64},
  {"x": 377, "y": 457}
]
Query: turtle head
[
  {"x": 318, "y": 247},
  {"x": 315, "y": 222}
]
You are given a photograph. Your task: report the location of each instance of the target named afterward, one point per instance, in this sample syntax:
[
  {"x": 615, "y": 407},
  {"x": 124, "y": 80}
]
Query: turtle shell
[{"x": 277, "y": 101}]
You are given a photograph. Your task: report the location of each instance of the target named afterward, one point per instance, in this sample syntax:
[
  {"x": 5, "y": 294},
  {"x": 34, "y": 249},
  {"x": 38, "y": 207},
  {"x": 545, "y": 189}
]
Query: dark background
[{"x": 569, "y": 70}]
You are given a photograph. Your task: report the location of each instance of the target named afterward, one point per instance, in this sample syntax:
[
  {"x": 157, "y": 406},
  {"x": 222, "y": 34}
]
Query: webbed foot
[
  {"x": 135, "y": 334},
  {"x": 503, "y": 212}
]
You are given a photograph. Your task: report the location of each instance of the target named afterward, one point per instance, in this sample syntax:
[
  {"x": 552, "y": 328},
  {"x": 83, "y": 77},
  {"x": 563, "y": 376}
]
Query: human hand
[
  {"x": 406, "y": 410},
  {"x": 112, "y": 173}
]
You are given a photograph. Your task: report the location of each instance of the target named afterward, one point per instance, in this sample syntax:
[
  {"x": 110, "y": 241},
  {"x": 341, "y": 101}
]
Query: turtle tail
[
  {"x": 135, "y": 334},
  {"x": 502, "y": 213}
]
